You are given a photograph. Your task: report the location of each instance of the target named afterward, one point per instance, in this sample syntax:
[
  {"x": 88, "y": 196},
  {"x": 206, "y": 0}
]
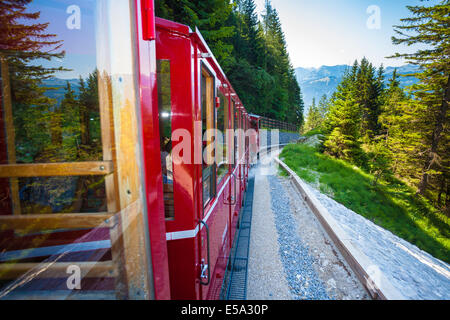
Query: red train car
[
  {"x": 201, "y": 222},
  {"x": 115, "y": 179}
]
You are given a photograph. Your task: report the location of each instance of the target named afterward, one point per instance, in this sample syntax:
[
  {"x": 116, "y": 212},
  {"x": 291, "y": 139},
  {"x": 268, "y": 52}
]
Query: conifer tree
[
  {"x": 367, "y": 94},
  {"x": 402, "y": 141},
  {"x": 429, "y": 25},
  {"x": 23, "y": 41},
  {"x": 252, "y": 52},
  {"x": 323, "y": 106},
  {"x": 90, "y": 118},
  {"x": 342, "y": 124},
  {"x": 299, "y": 106},
  {"x": 314, "y": 118},
  {"x": 209, "y": 16}
]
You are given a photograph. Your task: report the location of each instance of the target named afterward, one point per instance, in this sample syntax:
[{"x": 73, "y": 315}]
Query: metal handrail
[
  {"x": 232, "y": 200},
  {"x": 205, "y": 267}
]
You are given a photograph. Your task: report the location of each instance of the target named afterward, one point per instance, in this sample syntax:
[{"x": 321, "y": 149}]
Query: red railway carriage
[
  {"x": 116, "y": 181},
  {"x": 196, "y": 98}
]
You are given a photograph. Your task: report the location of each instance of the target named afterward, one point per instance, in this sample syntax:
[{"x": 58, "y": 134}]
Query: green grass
[{"x": 391, "y": 205}]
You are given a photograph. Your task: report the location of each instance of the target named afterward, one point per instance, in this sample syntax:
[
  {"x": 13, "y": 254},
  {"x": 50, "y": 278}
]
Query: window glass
[
  {"x": 165, "y": 132},
  {"x": 247, "y": 140},
  {"x": 208, "y": 127},
  {"x": 221, "y": 147},
  {"x": 49, "y": 103},
  {"x": 236, "y": 136},
  {"x": 232, "y": 138},
  {"x": 59, "y": 87}
]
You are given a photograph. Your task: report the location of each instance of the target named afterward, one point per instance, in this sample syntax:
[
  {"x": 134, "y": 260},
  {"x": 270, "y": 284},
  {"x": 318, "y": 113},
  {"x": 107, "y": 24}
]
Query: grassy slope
[{"x": 392, "y": 205}]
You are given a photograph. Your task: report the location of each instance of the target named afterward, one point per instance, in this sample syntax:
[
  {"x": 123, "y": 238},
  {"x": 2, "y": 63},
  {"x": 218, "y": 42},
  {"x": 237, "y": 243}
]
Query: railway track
[{"x": 290, "y": 256}]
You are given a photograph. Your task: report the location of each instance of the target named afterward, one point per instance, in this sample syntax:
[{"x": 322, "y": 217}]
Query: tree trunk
[
  {"x": 441, "y": 190},
  {"x": 438, "y": 128}
]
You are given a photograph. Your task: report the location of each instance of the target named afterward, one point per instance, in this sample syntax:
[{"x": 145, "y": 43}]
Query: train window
[
  {"x": 233, "y": 138},
  {"x": 165, "y": 131},
  {"x": 69, "y": 165},
  {"x": 236, "y": 136},
  {"x": 221, "y": 147},
  {"x": 208, "y": 129},
  {"x": 49, "y": 106}
]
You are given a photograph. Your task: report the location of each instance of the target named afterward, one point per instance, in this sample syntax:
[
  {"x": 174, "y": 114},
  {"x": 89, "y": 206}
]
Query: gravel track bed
[
  {"x": 303, "y": 280},
  {"x": 291, "y": 257},
  {"x": 339, "y": 279},
  {"x": 266, "y": 279}
]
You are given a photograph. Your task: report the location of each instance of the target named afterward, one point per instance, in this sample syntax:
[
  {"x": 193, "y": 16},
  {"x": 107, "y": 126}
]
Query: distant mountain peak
[{"x": 316, "y": 82}]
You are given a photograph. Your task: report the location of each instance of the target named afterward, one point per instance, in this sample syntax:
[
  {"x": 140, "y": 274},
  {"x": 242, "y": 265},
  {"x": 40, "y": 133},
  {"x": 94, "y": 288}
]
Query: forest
[
  {"x": 398, "y": 138},
  {"x": 386, "y": 130},
  {"x": 391, "y": 131},
  {"x": 251, "y": 51}
]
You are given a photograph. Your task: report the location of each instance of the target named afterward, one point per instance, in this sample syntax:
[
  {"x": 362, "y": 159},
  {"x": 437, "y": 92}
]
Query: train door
[
  {"x": 234, "y": 182},
  {"x": 238, "y": 155},
  {"x": 241, "y": 157},
  {"x": 215, "y": 242},
  {"x": 179, "y": 173},
  {"x": 214, "y": 222},
  {"x": 247, "y": 150}
]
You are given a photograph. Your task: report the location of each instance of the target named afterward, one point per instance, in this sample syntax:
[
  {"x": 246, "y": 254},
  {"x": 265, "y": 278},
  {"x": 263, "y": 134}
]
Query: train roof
[{"x": 196, "y": 36}]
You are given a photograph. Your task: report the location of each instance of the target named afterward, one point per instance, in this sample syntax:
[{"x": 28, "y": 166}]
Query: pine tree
[
  {"x": 287, "y": 91},
  {"x": 323, "y": 107},
  {"x": 254, "y": 42},
  {"x": 22, "y": 42},
  {"x": 402, "y": 141},
  {"x": 71, "y": 130},
  {"x": 90, "y": 118},
  {"x": 299, "y": 107},
  {"x": 430, "y": 25},
  {"x": 367, "y": 95},
  {"x": 252, "y": 52},
  {"x": 209, "y": 16},
  {"x": 248, "y": 76},
  {"x": 343, "y": 121},
  {"x": 314, "y": 118}
]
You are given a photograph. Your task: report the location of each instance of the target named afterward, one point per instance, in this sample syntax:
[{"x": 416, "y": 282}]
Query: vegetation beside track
[{"x": 391, "y": 204}]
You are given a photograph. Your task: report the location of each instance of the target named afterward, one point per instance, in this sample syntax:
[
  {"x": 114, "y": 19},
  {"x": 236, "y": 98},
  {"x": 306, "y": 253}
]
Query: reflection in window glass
[
  {"x": 236, "y": 136},
  {"x": 165, "y": 131},
  {"x": 208, "y": 125},
  {"x": 49, "y": 101},
  {"x": 232, "y": 138},
  {"x": 221, "y": 147},
  {"x": 45, "y": 195},
  {"x": 50, "y": 113}
]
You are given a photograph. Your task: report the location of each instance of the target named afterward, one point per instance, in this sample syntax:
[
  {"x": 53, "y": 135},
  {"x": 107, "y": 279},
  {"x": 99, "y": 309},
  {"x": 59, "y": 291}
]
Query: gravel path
[
  {"x": 297, "y": 262},
  {"x": 290, "y": 255}
]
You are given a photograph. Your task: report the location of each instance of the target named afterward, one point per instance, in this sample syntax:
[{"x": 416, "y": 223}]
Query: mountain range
[
  {"x": 58, "y": 87},
  {"x": 315, "y": 82}
]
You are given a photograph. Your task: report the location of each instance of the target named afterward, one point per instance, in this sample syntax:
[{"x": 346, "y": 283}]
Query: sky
[
  {"x": 334, "y": 32},
  {"x": 79, "y": 43}
]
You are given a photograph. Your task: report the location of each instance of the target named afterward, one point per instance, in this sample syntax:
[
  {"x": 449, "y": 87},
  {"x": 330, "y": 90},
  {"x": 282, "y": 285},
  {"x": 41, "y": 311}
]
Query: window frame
[
  {"x": 166, "y": 186},
  {"x": 236, "y": 132},
  {"x": 226, "y": 116},
  {"x": 205, "y": 68}
]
